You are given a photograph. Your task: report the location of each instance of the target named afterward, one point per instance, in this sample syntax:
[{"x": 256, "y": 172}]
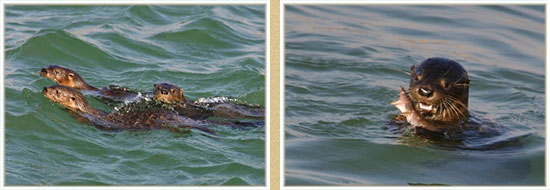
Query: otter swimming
[
  {"x": 138, "y": 120},
  {"x": 173, "y": 95},
  {"x": 438, "y": 99},
  {"x": 67, "y": 77}
]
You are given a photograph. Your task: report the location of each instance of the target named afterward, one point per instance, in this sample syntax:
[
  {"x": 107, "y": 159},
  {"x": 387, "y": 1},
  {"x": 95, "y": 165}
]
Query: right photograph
[{"x": 414, "y": 95}]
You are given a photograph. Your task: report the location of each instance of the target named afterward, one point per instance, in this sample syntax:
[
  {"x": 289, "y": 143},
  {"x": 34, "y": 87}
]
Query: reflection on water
[{"x": 344, "y": 65}]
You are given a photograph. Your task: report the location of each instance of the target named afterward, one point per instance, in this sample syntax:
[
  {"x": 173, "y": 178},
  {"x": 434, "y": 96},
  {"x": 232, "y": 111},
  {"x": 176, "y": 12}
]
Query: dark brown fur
[
  {"x": 171, "y": 94},
  {"x": 439, "y": 91},
  {"x": 138, "y": 120}
]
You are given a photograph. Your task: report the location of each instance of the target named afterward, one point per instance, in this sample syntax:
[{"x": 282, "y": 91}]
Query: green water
[
  {"x": 344, "y": 65},
  {"x": 206, "y": 50}
]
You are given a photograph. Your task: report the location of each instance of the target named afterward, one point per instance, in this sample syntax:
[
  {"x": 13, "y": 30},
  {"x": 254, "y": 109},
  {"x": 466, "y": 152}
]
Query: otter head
[
  {"x": 67, "y": 97},
  {"x": 65, "y": 77},
  {"x": 439, "y": 90},
  {"x": 168, "y": 93}
]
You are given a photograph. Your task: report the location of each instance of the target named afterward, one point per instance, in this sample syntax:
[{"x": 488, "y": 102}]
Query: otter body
[
  {"x": 138, "y": 120},
  {"x": 173, "y": 95},
  {"x": 67, "y": 77},
  {"x": 438, "y": 99}
]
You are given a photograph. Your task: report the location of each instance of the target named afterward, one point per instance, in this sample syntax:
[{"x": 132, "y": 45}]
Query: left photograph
[{"x": 135, "y": 95}]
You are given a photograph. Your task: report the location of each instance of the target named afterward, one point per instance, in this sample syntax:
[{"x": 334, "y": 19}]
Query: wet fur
[
  {"x": 173, "y": 95},
  {"x": 138, "y": 120},
  {"x": 69, "y": 78},
  {"x": 448, "y": 82},
  {"x": 65, "y": 77}
]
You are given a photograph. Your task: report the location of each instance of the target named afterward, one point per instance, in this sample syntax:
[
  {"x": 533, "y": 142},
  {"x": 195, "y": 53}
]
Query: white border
[
  {"x": 400, "y": 2},
  {"x": 136, "y": 2}
]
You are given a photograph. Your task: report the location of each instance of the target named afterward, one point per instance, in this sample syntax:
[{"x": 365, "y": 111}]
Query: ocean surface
[
  {"x": 345, "y": 64},
  {"x": 205, "y": 50}
]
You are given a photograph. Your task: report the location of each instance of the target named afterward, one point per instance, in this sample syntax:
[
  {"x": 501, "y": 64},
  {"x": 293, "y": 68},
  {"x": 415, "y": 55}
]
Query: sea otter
[
  {"x": 438, "y": 96},
  {"x": 173, "y": 95},
  {"x": 67, "y": 77},
  {"x": 137, "y": 120}
]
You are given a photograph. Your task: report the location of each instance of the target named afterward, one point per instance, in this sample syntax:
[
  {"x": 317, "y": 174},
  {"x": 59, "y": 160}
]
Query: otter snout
[
  {"x": 165, "y": 92},
  {"x": 426, "y": 92},
  {"x": 43, "y": 72}
]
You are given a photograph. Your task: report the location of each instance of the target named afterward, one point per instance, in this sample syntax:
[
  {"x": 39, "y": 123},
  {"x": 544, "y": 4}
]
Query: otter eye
[
  {"x": 445, "y": 84},
  {"x": 71, "y": 75},
  {"x": 56, "y": 91},
  {"x": 417, "y": 77},
  {"x": 73, "y": 98},
  {"x": 56, "y": 72},
  {"x": 173, "y": 90}
]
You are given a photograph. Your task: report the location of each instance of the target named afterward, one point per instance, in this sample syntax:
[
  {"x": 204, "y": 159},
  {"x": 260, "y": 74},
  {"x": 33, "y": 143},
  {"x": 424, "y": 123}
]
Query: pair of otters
[
  {"x": 437, "y": 101},
  {"x": 181, "y": 116}
]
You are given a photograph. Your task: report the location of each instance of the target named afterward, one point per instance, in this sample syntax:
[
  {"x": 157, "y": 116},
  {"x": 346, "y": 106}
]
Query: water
[
  {"x": 344, "y": 65},
  {"x": 206, "y": 50}
]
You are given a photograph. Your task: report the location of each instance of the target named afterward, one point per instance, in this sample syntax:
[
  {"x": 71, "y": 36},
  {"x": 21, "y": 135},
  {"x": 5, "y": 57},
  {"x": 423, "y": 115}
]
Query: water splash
[{"x": 215, "y": 100}]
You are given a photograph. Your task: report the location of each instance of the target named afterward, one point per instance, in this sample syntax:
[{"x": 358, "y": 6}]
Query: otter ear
[
  {"x": 155, "y": 85},
  {"x": 412, "y": 69},
  {"x": 181, "y": 91}
]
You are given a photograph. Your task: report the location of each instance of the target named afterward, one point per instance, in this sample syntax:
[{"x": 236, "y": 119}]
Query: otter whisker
[
  {"x": 448, "y": 107},
  {"x": 443, "y": 110},
  {"x": 458, "y": 113},
  {"x": 461, "y": 77},
  {"x": 463, "y": 85},
  {"x": 450, "y": 99},
  {"x": 458, "y": 101},
  {"x": 446, "y": 110},
  {"x": 452, "y": 107},
  {"x": 447, "y": 72}
]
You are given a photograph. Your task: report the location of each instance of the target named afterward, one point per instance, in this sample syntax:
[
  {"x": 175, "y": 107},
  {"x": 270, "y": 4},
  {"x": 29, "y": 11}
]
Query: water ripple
[
  {"x": 206, "y": 50},
  {"x": 344, "y": 65}
]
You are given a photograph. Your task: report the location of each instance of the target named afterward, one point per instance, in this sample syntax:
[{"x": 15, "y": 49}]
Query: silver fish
[{"x": 406, "y": 107}]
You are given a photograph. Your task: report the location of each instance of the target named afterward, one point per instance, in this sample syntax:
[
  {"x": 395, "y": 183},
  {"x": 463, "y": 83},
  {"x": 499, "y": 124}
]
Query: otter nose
[
  {"x": 164, "y": 91},
  {"x": 43, "y": 70},
  {"x": 425, "y": 92},
  {"x": 44, "y": 90}
]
